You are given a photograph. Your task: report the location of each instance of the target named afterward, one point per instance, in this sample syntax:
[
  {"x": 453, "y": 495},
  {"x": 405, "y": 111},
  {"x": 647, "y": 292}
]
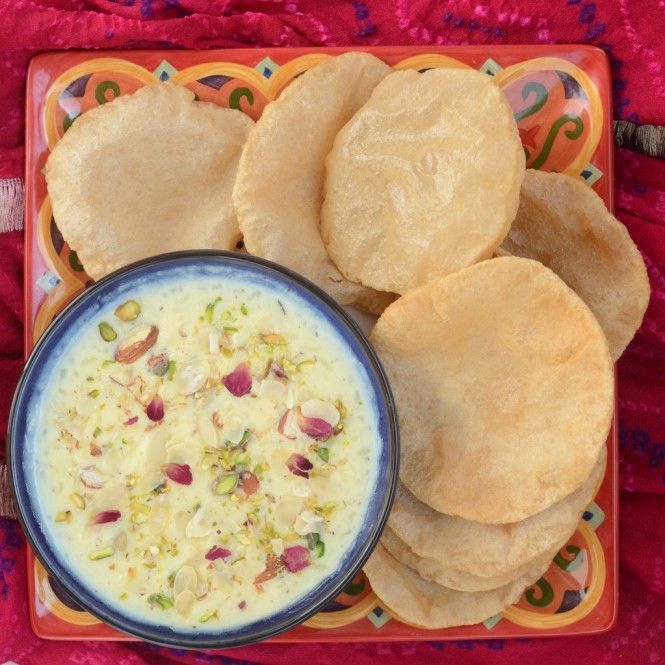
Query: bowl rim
[{"x": 163, "y": 634}]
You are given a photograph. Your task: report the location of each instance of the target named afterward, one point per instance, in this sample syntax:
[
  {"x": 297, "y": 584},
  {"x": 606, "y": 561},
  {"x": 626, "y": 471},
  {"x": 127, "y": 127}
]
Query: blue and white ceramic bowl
[{"x": 28, "y": 403}]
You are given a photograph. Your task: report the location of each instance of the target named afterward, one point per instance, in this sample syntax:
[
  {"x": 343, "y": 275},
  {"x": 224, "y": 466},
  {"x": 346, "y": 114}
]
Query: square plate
[{"x": 561, "y": 98}]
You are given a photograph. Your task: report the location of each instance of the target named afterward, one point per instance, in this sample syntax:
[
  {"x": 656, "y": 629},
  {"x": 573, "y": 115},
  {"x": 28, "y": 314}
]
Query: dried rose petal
[
  {"x": 315, "y": 427},
  {"x": 299, "y": 465},
  {"x": 95, "y": 450},
  {"x": 106, "y": 516},
  {"x": 239, "y": 382},
  {"x": 248, "y": 482},
  {"x": 296, "y": 558},
  {"x": 273, "y": 566},
  {"x": 242, "y": 604},
  {"x": 155, "y": 408},
  {"x": 216, "y": 552},
  {"x": 91, "y": 477},
  {"x": 131, "y": 421},
  {"x": 178, "y": 473}
]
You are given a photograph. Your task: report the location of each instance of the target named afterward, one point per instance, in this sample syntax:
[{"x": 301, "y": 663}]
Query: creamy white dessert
[{"x": 205, "y": 452}]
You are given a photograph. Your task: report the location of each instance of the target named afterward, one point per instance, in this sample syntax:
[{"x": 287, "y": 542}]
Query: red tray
[{"x": 562, "y": 101}]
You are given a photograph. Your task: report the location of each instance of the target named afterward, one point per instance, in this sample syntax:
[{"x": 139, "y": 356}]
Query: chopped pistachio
[
  {"x": 128, "y": 311},
  {"x": 313, "y": 540},
  {"x": 123, "y": 596},
  {"x": 94, "y": 393},
  {"x": 160, "y": 599},
  {"x": 77, "y": 500},
  {"x": 97, "y": 432},
  {"x": 253, "y": 518},
  {"x": 64, "y": 516},
  {"x": 140, "y": 514},
  {"x": 171, "y": 579},
  {"x": 273, "y": 338},
  {"x": 209, "y": 615},
  {"x": 320, "y": 549},
  {"x": 107, "y": 332},
  {"x": 108, "y": 362},
  {"x": 326, "y": 509},
  {"x": 244, "y": 439},
  {"x": 210, "y": 309},
  {"x": 243, "y": 459},
  {"x": 244, "y": 310},
  {"x": 288, "y": 366},
  {"x": 242, "y": 538},
  {"x": 101, "y": 554},
  {"x": 261, "y": 468},
  {"x": 171, "y": 370},
  {"x": 226, "y": 484},
  {"x": 323, "y": 453}
]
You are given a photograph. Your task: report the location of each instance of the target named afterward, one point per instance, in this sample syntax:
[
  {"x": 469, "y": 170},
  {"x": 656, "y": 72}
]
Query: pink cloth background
[{"x": 630, "y": 31}]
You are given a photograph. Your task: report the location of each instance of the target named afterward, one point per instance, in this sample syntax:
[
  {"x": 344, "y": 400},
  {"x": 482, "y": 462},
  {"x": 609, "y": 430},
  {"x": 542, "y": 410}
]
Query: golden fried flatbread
[
  {"x": 144, "y": 174},
  {"x": 470, "y": 551},
  {"x": 278, "y": 192},
  {"x": 504, "y": 388},
  {"x": 424, "y": 180},
  {"x": 457, "y": 580},
  {"x": 564, "y": 224},
  {"x": 427, "y": 604}
]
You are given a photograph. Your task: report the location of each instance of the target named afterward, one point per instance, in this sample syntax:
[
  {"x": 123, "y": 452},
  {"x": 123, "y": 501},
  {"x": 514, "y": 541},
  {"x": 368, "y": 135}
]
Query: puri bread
[
  {"x": 424, "y": 179},
  {"x": 565, "y": 225},
  {"x": 147, "y": 173},
  {"x": 504, "y": 388},
  {"x": 279, "y": 188},
  {"x": 488, "y": 550},
  {"x": 428, "y": 605},
  {"x": 431, "y": 570}
]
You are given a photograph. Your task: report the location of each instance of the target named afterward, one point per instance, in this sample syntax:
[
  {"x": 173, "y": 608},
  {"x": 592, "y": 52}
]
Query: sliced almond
[
  {"x": 185, "y": 579},
  {"x": 136, "y": 343},
  {"x": 181, "y": 453},
  {"x": 274, "y": 391},
  {"x": 207, "y": 430},
  {"x": 197, "y": 527},
  {"x": 122, "y": 376},
  {"x": 154, "y": 449},
  {"x": 91, "y": 477},
  {"x": 233, "y": 430},
  {"x": 192, "y": 377},
  {"x": 184, "y": 602}
]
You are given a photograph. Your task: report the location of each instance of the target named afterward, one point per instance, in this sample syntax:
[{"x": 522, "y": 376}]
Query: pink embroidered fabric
[{"x": 630, "y": 31}]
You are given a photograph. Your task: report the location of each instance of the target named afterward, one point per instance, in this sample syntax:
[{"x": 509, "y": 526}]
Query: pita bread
[
  {"x": 424, "y": 180},
  {"x": 147, "y": 173},
  {"x": 429, "y": 605},
  {"x": 504, "y": 388},
  {"x": 471, "y": 551},
  {"x": 278, "y": 192},
  {"x": 565, "y": 225}
]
